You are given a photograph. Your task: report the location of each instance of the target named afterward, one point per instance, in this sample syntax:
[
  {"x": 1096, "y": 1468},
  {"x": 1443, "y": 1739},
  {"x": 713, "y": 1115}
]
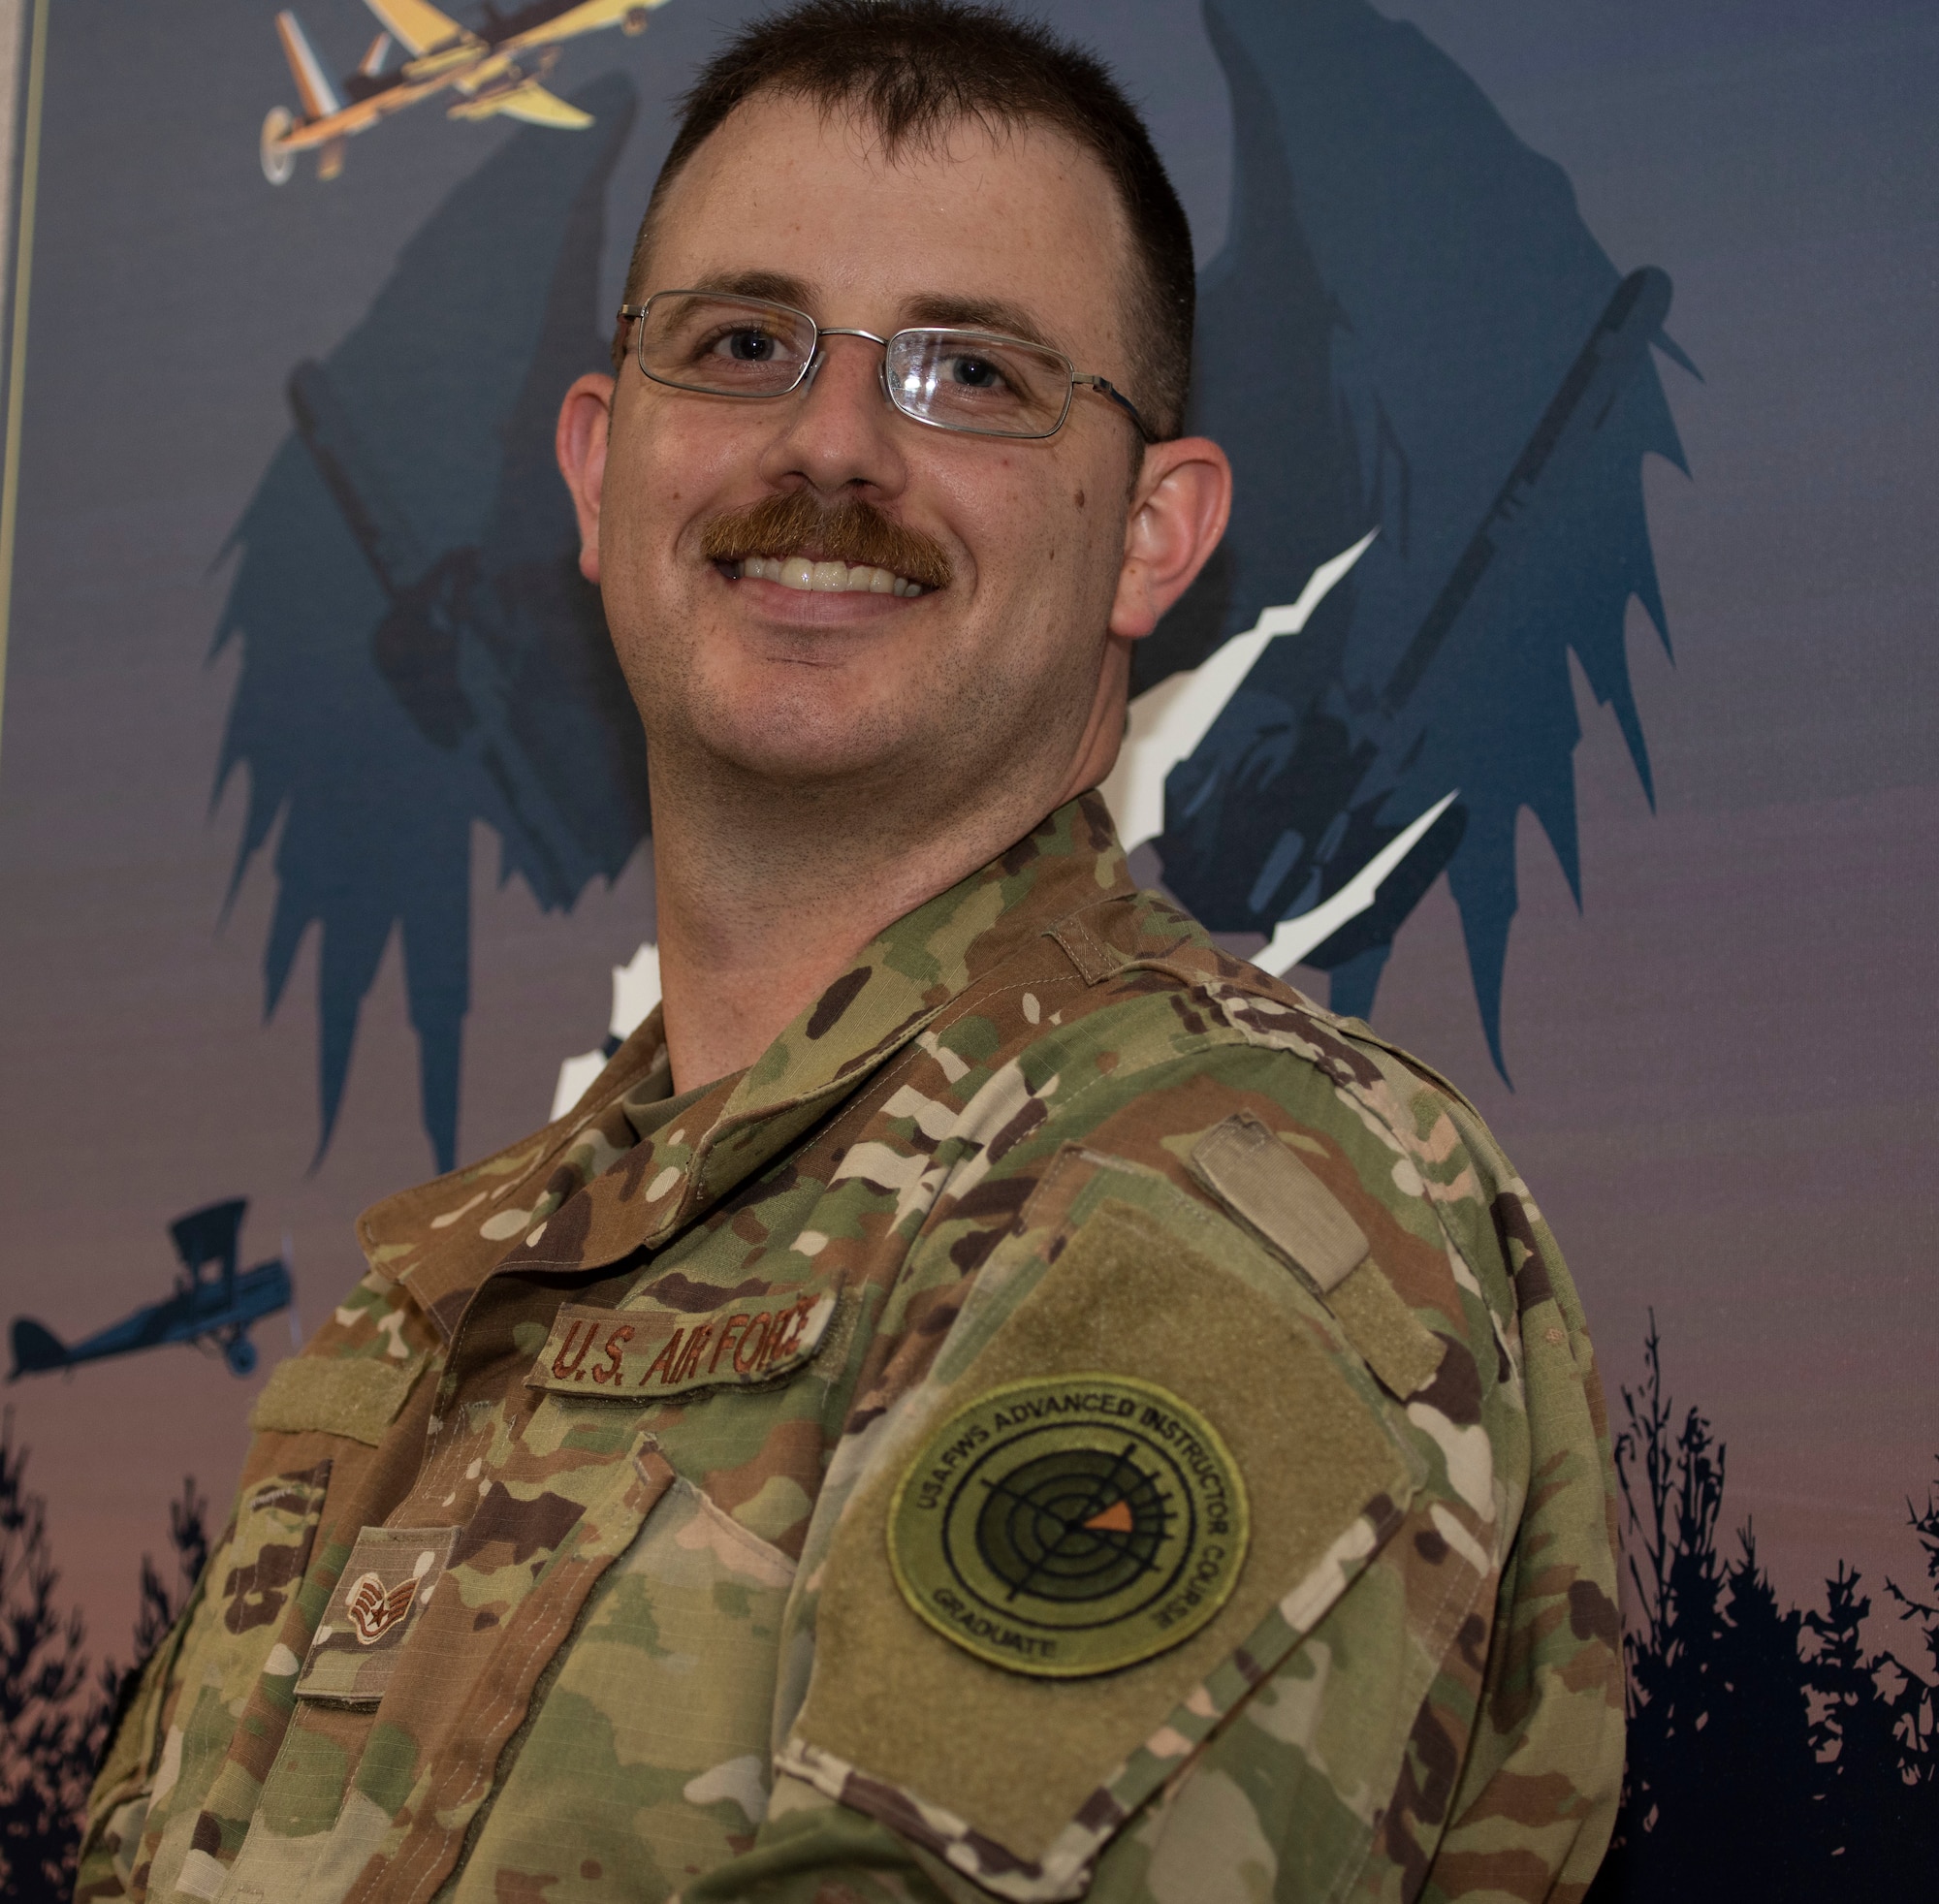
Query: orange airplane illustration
[{"x": 496, "y": 68}]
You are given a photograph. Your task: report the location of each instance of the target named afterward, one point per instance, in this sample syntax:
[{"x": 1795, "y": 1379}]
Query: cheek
[
  {"x": 1015, "y": 514},
  {"x": 668, "y": 472}
]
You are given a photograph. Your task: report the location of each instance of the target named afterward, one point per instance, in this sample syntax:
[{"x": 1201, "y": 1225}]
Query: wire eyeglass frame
[{"x": 812, "y": 358}]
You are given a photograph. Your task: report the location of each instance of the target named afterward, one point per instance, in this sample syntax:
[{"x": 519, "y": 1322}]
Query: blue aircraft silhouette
[{"x": 219, "y": 1310}]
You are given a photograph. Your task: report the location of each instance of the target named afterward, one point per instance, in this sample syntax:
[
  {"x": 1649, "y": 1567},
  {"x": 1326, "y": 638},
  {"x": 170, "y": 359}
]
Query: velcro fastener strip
[{"x": 356, "y": 1397}]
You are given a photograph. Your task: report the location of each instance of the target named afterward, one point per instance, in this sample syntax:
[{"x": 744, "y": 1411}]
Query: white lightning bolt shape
[
  {"x": 1169, "y": 721},
  {"x": 1306, "y": 932}
]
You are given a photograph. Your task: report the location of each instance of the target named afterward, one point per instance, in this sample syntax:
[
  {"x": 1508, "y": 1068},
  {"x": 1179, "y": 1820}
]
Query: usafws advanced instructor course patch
[{"x": 1070, "y": 1525}]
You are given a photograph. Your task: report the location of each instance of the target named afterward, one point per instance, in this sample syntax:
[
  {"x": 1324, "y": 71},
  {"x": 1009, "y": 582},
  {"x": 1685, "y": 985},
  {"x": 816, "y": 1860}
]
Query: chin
[{"x": 796, "y": 748}]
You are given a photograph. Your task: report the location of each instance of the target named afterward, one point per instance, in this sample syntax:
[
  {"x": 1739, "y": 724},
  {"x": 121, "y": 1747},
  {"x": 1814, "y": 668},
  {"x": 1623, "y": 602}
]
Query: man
[{"x": 986, "y": 1395}]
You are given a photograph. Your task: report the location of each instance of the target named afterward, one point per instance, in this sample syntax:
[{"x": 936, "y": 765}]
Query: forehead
[{"x": 1023, "y": 220}]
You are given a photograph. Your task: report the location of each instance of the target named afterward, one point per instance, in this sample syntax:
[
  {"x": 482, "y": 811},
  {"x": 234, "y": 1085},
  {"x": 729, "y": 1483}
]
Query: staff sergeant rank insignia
[{"x": 1070, "y": 1525}]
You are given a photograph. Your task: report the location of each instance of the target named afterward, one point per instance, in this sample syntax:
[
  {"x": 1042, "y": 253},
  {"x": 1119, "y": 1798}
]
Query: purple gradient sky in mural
[{"x": 1723, "y": 1065}]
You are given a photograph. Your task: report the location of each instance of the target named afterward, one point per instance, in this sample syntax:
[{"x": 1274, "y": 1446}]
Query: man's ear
[
  {"x": 1179, "y": 507},
  {"x": 584, "y": 422}
]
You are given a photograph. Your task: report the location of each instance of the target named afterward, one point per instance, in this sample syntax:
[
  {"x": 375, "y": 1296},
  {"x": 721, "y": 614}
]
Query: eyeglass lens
[{"x": 958, "y": 379}]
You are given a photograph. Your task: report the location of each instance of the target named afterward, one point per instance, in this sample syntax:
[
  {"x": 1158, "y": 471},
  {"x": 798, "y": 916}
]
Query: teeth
[{"x": 827, "y": 578}]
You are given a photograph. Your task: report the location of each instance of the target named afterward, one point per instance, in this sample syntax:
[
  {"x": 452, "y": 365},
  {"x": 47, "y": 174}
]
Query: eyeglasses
[{"x": 968, "y": 380}]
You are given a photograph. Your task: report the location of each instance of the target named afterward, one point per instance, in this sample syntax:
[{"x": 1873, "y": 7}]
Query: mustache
[{"x": 851, "y": 531}]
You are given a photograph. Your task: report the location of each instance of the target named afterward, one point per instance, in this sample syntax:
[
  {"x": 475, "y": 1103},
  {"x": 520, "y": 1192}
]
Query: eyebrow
[
  {"x": 978, "y": 314},
  {"x": 777, "y": 287},
  {"x": 955, "y": 313}
]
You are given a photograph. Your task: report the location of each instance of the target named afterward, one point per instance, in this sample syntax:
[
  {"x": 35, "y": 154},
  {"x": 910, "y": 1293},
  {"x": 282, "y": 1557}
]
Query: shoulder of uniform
[
  {"x": 1186, "y": 1331},
  {"x": 1144, "y": 944}
]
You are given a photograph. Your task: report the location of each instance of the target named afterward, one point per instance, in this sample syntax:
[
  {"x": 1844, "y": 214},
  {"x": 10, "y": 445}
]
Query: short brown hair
[{"x": 917, "y": 67}]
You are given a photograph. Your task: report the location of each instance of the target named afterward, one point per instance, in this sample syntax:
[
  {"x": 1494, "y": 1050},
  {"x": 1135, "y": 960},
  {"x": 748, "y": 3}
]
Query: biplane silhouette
[
  {"x": 219, "y": 1309},
  {"x": 495, "y": 69}
]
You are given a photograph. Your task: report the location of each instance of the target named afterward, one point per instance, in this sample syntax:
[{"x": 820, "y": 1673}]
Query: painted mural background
[{"x": 321, "y": 813}]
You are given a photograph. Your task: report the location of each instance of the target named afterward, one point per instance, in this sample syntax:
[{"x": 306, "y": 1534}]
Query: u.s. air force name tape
[
  {"x": 645, "y": 1355},
  {"x": 1070, "y": 1525}
]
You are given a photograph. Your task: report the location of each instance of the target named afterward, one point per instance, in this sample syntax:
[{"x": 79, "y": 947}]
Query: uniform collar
[{"x": 630, "y": 1167}]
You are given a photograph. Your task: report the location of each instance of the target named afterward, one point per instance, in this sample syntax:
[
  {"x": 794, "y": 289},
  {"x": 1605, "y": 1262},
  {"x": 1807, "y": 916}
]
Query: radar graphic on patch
[{"x": 1070, "y": 1525}]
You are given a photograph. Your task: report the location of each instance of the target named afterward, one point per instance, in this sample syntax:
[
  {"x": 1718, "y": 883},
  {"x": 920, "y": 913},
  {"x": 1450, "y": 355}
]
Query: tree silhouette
[
  {"x": 51, "y": 1722},
  {"x": 1771, "y": 1753},
  {"x": 1919, "y": 1706},
  {"x": 54, "y": 1714},
  {"x": 1875, "y": 1732},
  {"x": 1720, "y": 1775}
]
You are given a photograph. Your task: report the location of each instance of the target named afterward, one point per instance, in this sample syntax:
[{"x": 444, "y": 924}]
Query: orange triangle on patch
[{"x": 1114, "y": 1519}]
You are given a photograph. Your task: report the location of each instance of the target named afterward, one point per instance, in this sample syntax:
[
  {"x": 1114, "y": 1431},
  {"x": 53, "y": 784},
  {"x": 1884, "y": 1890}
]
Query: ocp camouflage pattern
[{"x": 665, "y": 1654}]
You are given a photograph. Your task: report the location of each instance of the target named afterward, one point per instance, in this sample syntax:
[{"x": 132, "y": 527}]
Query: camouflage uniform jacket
[{"x": 574, "y": 1558}]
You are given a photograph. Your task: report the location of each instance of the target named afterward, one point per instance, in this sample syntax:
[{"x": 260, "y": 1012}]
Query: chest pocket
[
  {"x": 647, "y": 1754},
  {"x": 1209, "y": 1405}
]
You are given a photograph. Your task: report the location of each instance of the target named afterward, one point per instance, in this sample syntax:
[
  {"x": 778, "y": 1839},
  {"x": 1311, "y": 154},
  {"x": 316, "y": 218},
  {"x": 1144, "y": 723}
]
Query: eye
[
  {"x": 975, "y": 373},
  {"x": 746, "y": 344}
]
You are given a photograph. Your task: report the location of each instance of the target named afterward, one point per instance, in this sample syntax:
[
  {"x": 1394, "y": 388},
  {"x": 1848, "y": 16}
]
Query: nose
[{"x": 839, "y": 429}]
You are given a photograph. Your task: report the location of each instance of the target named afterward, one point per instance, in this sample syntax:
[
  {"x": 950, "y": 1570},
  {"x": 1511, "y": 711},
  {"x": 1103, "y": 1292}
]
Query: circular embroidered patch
[{"x": 1070, "y": 1525}]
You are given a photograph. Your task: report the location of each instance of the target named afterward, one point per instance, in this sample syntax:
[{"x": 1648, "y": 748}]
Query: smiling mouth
[
  {"x": 808, "y": 577},
  {"x": 849, "y": 548}
]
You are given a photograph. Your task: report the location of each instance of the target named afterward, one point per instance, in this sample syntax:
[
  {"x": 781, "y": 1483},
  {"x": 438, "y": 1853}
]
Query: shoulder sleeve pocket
[{"x": 1073, "y": 1527}]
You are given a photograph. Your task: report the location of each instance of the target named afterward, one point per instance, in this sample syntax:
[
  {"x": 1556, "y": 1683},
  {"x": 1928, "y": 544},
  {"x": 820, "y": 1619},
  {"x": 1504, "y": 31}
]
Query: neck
[{"x": 764, "y": 893}]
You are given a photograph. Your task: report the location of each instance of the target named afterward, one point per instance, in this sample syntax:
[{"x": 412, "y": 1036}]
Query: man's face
[{"x": 1000, "y": 670}]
